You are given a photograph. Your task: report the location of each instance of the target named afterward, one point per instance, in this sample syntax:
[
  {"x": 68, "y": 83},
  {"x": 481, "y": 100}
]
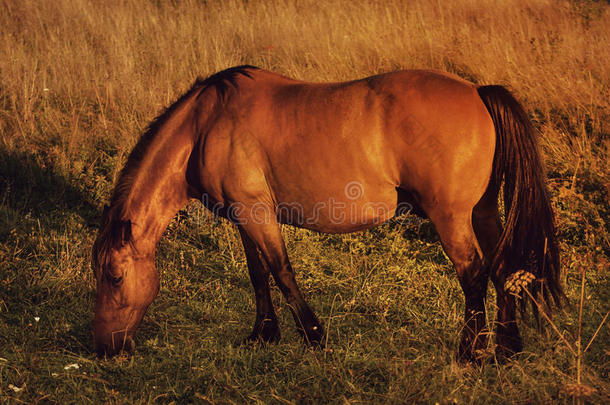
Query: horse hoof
[
  {"x": 474, "y": 357},
  {"x": 466, "y": 359},
  {"x": 267, "y": 333},
  {"x": 314, "y": 336},
  {"x": 508, "y": 347},
  {"x": 505, "y": 354}
]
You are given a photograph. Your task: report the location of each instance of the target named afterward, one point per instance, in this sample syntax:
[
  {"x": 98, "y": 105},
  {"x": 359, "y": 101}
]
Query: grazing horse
[{"x": 262, "y": 149}]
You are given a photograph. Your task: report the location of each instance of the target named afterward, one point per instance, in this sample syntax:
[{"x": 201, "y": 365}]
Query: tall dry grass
[{"x": 77, "y": 73}]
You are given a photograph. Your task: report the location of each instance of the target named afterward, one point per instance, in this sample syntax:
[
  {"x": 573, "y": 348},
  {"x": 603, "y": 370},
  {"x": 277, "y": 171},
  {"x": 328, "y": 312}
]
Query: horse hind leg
[
  {"x": 266, "y": 327},
  {"x": 488, "y": 228},
  {"x": 460, "y": 243}
]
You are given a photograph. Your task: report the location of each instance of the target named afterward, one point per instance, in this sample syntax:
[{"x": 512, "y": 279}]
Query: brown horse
[{"x": 262, "y": 149}]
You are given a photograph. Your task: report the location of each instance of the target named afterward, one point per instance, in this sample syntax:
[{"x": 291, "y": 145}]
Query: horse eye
[{"x": 116, "y": 281}]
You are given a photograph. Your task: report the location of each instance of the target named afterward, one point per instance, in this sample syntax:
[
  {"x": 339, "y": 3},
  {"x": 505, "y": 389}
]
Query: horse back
[{"x": 280, "y": 140}]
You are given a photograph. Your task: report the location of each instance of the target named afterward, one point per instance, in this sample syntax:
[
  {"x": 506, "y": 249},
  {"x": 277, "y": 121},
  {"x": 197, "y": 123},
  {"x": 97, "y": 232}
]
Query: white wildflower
[
  {"x": 72, "y": 366},
  {"x": 15, "y": 388}
]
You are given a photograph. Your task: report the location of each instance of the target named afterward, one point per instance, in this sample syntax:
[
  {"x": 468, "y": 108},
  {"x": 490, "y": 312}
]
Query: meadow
[{"x": 81, "y": 79}]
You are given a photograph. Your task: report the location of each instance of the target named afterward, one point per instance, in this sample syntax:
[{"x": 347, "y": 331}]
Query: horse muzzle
[{"x": 113, "y": 343}]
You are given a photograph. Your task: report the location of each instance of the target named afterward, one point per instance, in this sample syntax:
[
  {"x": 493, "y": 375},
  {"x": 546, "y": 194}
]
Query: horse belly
[{"x": 339, "y": 213}]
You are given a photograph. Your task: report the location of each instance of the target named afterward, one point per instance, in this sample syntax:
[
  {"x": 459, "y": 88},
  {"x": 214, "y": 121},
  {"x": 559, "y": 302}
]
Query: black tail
[{"x": 529, "y": 239}]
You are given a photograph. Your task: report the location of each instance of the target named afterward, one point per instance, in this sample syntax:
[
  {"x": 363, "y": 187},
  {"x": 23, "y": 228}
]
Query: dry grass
[{"x": 79, "y": 80}]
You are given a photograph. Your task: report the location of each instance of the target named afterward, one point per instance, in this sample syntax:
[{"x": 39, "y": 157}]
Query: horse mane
[{"x": 115, "y": 230}]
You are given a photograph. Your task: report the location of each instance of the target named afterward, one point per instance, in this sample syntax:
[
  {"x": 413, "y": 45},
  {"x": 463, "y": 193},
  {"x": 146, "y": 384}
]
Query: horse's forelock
[{"x": 115, "y": 233}]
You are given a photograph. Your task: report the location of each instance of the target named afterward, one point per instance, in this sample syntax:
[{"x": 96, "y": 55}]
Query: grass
[{"x": 79, "y": 80}]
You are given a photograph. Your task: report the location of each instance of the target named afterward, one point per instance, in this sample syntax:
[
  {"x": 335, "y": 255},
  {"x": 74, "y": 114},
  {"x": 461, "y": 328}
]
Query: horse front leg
[
  {"x": 268, "y": 239},
  {"x": 266, "y": 327}
]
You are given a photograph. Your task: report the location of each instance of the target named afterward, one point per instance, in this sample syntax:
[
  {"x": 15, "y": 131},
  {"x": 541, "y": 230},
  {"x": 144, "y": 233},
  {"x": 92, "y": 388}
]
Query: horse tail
[{"x": 529, "y": 240}]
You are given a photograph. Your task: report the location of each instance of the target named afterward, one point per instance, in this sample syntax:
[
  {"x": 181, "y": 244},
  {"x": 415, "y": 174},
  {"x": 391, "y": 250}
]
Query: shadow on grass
[
  {"x": 36, "y": 205},
  {"x": 28, "y": 188}
]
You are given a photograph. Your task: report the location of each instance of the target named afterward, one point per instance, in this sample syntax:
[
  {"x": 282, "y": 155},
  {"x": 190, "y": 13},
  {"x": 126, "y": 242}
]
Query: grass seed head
[
  {"x": 518, "y": 281},
  {"x": 579, "y": 390}
]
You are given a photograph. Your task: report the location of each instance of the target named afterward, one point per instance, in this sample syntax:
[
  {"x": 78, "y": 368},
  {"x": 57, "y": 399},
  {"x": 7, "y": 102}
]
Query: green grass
[{"x": 388, "y": 297}]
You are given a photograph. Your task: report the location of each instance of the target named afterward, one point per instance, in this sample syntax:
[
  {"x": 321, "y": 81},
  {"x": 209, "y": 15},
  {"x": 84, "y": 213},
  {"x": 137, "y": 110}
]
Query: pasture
[{"x": 79, "y": 82}]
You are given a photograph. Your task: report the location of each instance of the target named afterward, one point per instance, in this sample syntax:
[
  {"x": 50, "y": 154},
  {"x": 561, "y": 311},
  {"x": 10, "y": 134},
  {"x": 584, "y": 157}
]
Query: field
[{"x": 79, "y": 82}]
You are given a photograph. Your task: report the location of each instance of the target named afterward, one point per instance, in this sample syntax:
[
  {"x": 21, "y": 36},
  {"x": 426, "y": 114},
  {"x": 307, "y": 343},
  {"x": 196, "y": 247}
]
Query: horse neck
[{"x": 158, "y": 186}]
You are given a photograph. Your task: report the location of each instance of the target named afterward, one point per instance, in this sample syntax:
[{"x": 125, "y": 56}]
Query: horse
[{"x": 343, "y": 157}]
